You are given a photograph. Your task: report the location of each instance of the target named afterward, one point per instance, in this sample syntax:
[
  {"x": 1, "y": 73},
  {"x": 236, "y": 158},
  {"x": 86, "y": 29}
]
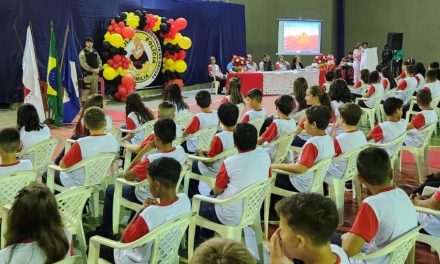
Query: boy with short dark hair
[
  {"x": 407, "y": 86},
  {"x": 329, "y": 78},
  {"x": 423, "y": 119},
  {"x": 9, "y": 144},
  {"x": 379, "y": 218},
  {"x": 280, "y": 126},
  {"x": 432, "y": 83},
  {"x": 352, "y": 138},
  {"x": 163, "y": 175},
  {"x": 309, "y": 219},
  {"x": 207, "y": 118},
  {"x": 98, "y": 142},
  {"x": 392, "y": 128},
  {"x": 222, "y": 141},
  {"x": 253, "y": 100}
]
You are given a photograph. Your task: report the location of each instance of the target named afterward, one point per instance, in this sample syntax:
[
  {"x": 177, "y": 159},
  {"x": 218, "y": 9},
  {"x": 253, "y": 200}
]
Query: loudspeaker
[{"x": 395, "y": 40}]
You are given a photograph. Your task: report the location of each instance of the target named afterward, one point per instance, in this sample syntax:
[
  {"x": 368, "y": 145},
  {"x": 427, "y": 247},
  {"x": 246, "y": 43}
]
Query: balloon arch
[{"x": 156, "y": 46}]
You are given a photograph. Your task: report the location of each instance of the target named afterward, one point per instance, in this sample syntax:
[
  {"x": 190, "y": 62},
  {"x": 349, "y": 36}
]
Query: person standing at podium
[{"x": 357, "y": 53}]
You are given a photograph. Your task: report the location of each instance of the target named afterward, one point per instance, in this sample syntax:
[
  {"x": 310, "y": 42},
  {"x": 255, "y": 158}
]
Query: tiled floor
[{"x": 408, "y": 178}]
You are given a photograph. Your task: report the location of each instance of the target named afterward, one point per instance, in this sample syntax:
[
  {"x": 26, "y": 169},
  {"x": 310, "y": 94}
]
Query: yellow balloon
[
  {"x": 174, "y": 41},
  {"x": 163, "y": 70},
  {"x": 116, "y": 40},
  {"x": 107, "y": 36},
  {"x": 180, "y": 66},
  {"x": 123, "y": 72},
  {"x": 170, "y": 62},
  {"x": 105, "y": 66},
  {"x": 171, "y": 68},
  {"x": 164, "y": 60},
  {"x": 120, "y": 70},
  {"x": 109, "y": 73},
  {"x": 185, "y": 43},
  {"x": 178, "y": 36},
  {"x": 156, "y": 26},
  {"x": 132, "y": 21}
]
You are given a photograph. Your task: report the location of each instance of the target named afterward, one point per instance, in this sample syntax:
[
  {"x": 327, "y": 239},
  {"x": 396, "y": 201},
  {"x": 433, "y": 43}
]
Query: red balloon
[
  {"x": 121, "y": 24},
  {"x": 110, "y": 62},
  {"x": 167, "y": 54},
  {"x": 128, "y": 81},
  {"x": 110, "y": 28},
  {"x": 113, "y": 22},
  {"x": 128, "y": 32},
  {"x": 181, "y": 55},
  {"x": 122, "y": 91},
  {"x": 118, "y": 30},
  {"x": 124, "y": 65},
  {"x": 115, "y": 65},
  {"x": 181, "y": 23},
  {"x": 117, "y": 58},
  {"x": 117, "y": 96}
]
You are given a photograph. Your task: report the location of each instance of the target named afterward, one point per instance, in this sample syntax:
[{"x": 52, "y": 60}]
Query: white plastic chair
[
  {"x": 71, "y": 204},
  {"x": 257, "y": 122},
  {"x": 210, "y": 181},
  {"x": 337, "y": 186},
  {"x": 116, "y": 132},
  {"x": 119, "y": 201},
  {"x": 252, "y": 198},
  {"x": 240, "y": 110},
  {"x": 95, "y": 170},
  {"x": 184, "y": 119},
  {"x": 204, "y": 136},
  {"x": 432, "y": 241},
  {"x": 42, "y": 153},
  {"x": 69, "y": 260},
  {"x": 434, "y": 104},
  {"x": 398, "y": 250},
  {"x": 283, "y": 146},
  {"x": 147, "y": 127},
  {"x": 319, "y": 170},
  {"x": 371, "y": 112},
  {"x": 165, "y": 241},
  {"x": 214, "y": 86},
  {"x": 298, "y": 115},
  {"x": 421, "y": 154}
]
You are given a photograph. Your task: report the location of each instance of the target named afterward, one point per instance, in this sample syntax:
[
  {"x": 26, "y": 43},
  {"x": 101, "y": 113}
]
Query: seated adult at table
[
  {"x": 346, "y": 66},
  {"x": 282, "y": 65},
  {"x": 266, "y": 64},
  {"x": 230, "y": 67},
  {"x": 296, "y": 63},
  {"x": 215, "y": 72},
  {"x": 251, "y": 66}
]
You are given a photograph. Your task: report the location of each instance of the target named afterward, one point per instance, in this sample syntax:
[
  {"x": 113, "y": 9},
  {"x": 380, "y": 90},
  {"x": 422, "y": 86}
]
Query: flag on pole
[
  {"x": 32, "y": 92},
  {"x": 54, "y": 81},
  {"x": 71, "y": 104}
]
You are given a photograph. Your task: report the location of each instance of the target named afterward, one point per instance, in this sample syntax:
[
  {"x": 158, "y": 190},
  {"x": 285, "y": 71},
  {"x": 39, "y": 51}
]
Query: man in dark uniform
[{"x": 91, "y": 64}]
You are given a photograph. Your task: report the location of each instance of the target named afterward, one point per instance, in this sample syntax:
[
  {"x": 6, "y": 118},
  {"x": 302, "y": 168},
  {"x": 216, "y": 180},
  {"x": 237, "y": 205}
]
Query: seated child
[
  {"x": 280, "y": 126},
  {"x": 173, "y": 94},
  {"x": 379, "y": 219},
  {"x": 432, "y": 84},
  {"x": 161, "y": 146},
  {"x": 407, "y": 86},
  {"x": 9, "y": 144},
  {"x": 392, "y": 128},
  {"x": 375, "y": 90},
  {"x": 207, "y": 118},
  {"x": 98, "y": 142},
  {"x": 222, "y": 141},
  {"x": 359, "y": 86},
  {"x": 317, "y": 148},
  {"x": 166, "y": 111},
  {"x": 423, "y": 119},
  {"x": 163, "y": 175},
  {"x": 222, "y": 250},
  {"x": 233, "y": 94},
  {"x": 432, "y": 222},
  {"x": 329, "y": 78},
  {"x": 352, "y": 138},
  {"x": 309, "y": 219},
  {"x": 253, "y": 100}
]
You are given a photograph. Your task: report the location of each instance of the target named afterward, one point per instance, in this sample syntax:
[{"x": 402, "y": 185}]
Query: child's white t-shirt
[{"x": 20, "y": 165}]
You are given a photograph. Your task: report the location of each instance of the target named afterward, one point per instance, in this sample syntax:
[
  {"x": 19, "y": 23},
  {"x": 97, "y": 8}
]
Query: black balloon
[
  {"x": 164, "y": 19},
  {"x": 144, "y": 12},
  {"x": 172, "y": 52},
  {"x": 169, "y": 46},
  {"x": 106, "y": 45},
  {"x": 105, "y": 55},
  {"x": 177, "y": 48},
  {"x": 163, "y": 27},
  {"x": 123, "y": 15},
  {"x": 113, "y": 50},
  {"x": 118, "y": 19}
]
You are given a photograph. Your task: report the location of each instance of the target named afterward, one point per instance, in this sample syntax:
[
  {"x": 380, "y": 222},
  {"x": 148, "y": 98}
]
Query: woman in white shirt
[{"x": 35, "y": 232}]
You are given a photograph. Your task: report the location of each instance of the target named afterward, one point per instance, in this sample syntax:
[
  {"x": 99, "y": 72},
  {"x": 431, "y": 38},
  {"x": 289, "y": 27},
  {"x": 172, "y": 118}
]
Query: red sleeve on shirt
[
  {"x": 130, "y": 124},
  {"x": 224, "y": 100},
  {"x": 210, "y": 69},
  {"x": 222, "y": 179},
  {"x": 270, "y": 133},
  {"x": 194, "y": 126},
  {"x": 385, "y": 83},
  {"x": 417, "y": 78},
  {"x": 365, "y": 224},
  {"x": 437, "y": 195},
  {"x": 418, "y": 121},
  {"x": 135, "y": 230},
  {"x": 140, "y": 169},
  {"x": 216, "y": 147},
  {"x": 358, "y": 84},
  {"x": 402, "y": 75},
  {"x": 301, "y": 123},
  {"x": 324, "y": 88},
  {"x": 245, "y": 119},
  {"x": 73, "y": 156},
  {"x": 147, "y": 140},
  {"x": 309, "y": 153},
  {"x": 376, "y": 133},
  {"x": 371, "y": 90},
  {"x": 402, "y": 85},
  {"x": 337, "y": 147}
]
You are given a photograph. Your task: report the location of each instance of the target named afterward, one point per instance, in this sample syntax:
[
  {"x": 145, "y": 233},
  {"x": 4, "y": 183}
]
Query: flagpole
[
  {"x": 18, "y": 39},
  {"x": 64, "y": 46}
]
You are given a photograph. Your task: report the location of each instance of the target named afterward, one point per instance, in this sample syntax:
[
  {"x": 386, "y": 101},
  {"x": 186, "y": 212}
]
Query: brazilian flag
[{"x": 54, "y": 81}]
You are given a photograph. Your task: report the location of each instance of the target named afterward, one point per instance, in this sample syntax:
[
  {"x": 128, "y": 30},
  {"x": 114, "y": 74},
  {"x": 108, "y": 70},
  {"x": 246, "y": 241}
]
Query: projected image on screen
[{"x": 299, "y": 37}]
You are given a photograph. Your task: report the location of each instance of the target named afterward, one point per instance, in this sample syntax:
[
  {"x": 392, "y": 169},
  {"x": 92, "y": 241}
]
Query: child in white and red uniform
[
  {"x": 329, "y": 78},
  {"x": 163, "y": 177},
  {"x": 423, "y": 119},
  {"x": 432, "y": 222},
  {"x": 137, "y": 114},
  {"x": 233, "y": 94},
  {"x": 9, "y": 144},
  {"x": 279, "y": 127},
  {"x": 253, "y": 100},
  {"x": 407, "y": 86},
  {"x": 379, "y": 218},
  {"x": 432, "y": 84},
  {"x": 222, "y": 141},
  {"x": 375, "y": 90},
  {"x": 86, "y": 147},
  {"x": 207, "y": 118},
  {"x": 360, "y": 86},
  {"x": 391, "y": 129}
]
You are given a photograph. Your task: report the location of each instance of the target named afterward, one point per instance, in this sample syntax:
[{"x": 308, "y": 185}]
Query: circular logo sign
[{"x": 145, "y": 54}]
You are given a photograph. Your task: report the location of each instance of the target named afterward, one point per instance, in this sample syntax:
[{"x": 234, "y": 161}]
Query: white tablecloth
[{"x": 281, "y": 82}]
